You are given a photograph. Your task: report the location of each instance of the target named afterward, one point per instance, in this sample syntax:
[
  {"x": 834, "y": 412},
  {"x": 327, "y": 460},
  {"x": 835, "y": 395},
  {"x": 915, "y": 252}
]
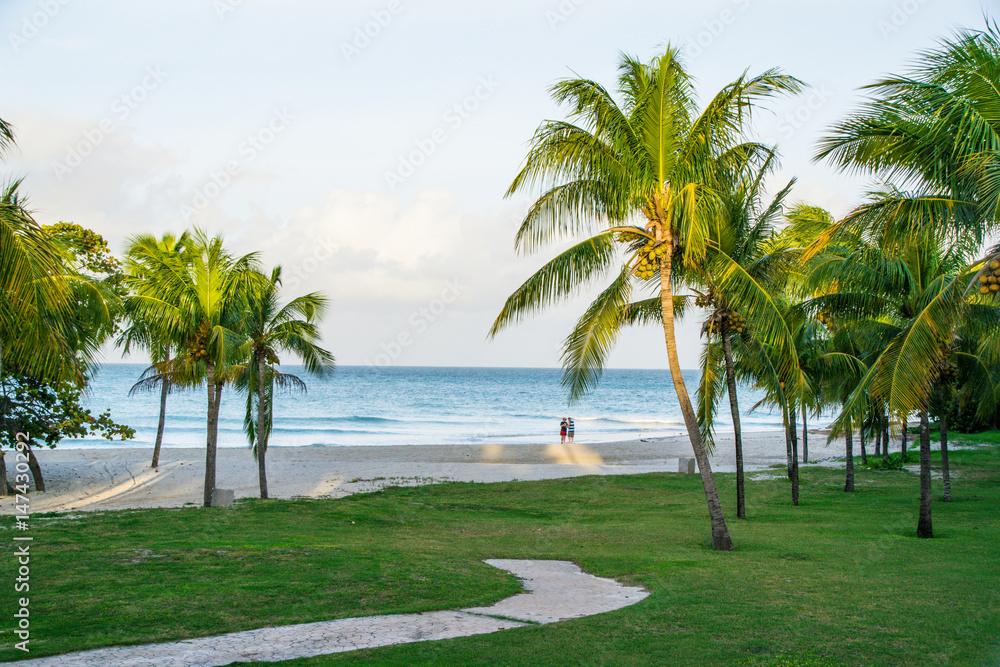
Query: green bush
[{"x": 894, "y": 462}]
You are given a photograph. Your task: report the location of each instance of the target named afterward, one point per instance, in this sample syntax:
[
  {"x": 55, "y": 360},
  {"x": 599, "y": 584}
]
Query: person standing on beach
[
  {"x": 570, "y": 429},
  {"x": 562, "y": 431}
]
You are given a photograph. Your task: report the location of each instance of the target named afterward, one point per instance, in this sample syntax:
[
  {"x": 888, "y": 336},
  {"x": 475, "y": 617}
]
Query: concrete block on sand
[{"x": 223, "y": 497}]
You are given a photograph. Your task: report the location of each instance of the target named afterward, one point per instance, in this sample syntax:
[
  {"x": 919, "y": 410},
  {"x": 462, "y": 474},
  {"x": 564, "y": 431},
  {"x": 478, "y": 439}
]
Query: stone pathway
[{"x": 556, "y": 590}]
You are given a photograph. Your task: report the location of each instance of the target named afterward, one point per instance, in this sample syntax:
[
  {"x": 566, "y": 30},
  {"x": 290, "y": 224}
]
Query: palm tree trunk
[
  {"x": 734, "y": 408},
  {"x": 788, "y": 441},
  {"x": 849, "y": 440},
  {"x": 878, "y": 435},
  {"x": 164, "y": 390},
  {"x": 720, "y": 533},
  {"x": 211, "y": 435},
  {"x": 864, "y": 453},
  {"x": 795, "y": 455},
  {"x": 945, "y": 469},
  {"x": 924, "y": 522},
  {"x": 261, "y": 440},
  {"x": 805, "y": 436},
  {"x": 885, "y": 437},
  {"x": 902, "y": 445}
]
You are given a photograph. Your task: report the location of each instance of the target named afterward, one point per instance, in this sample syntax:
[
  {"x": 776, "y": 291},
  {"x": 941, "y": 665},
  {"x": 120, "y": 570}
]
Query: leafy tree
[
  {"x": 90, "y": 255},
  {"x": 48, "y": 412},
  {"x": 637, "y": 176}
]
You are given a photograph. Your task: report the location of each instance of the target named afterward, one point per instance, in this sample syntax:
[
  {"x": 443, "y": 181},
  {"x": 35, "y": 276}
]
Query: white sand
[{"x": 108, "y": 479}]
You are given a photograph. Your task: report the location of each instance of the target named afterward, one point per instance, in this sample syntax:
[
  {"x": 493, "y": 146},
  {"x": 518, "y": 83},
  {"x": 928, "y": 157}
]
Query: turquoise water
[{"x": 363, "y": 405}]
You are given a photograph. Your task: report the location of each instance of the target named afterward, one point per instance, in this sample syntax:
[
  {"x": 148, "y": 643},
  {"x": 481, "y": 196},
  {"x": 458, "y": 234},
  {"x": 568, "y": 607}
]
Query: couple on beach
[{"x": 566, "y": 428}]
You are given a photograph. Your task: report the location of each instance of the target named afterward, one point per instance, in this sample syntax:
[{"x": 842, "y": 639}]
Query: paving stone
[{"x": 556, "y": 590}]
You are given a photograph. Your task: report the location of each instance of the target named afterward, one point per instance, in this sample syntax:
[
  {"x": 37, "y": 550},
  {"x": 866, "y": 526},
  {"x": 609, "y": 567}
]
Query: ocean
[{"x": 366, "y": 405}]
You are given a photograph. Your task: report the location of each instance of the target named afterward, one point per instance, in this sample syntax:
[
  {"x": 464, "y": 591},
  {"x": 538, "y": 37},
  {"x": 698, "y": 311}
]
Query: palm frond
[
  {"x": 564, "y": 276},
  {"x": 587, "y": 346}
]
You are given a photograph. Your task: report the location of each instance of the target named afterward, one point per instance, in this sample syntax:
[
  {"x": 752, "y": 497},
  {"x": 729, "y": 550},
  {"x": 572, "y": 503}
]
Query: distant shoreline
[
  {"x": 119, "y": 445},
  {"x": 114, "y": 478},
  {"x": 377, "y": 367}
]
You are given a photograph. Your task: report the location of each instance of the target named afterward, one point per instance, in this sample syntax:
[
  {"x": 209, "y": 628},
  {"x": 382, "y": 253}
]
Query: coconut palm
[
  {"x": 968, "y": 377},
  {"x": 748, "y": 233},
  {"x": 199, "y": 296},
  {"x": 269, "y": 329},
  {"x": 144, "y": 256},
  {"x": 28, "y": 258},
  {"x": 52, "y": 318},
  {"x": 758, "y": 367},
  {"x": 932, "y": 137},
  {"x": 36, "y": 298},
  {"x": 915, "y": 302},
  {"x": 636, "y": 175},
  {"x": 841, "y": 382}
]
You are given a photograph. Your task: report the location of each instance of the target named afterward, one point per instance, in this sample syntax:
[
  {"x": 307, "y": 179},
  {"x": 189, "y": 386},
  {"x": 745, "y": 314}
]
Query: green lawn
[{"x": 840, "y": 579}]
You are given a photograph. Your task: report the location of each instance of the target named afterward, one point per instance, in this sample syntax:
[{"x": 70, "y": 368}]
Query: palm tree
[
  {"x": 640, "y": 176},
  {"x": 269, "y": 329},
  {"x": 759, "y": 366},
  {"x": 749, "y": 230},
  {"x": 965, "y": 376},
  {"x": 923, "y": 296},
  {"x": 840, "y": 385},
  {"x": 28, "y": 258},
  {"x": 36, "y": 297},
  {"x": 932, "y": 137},
  {"x": 144, "y": 256},
  {"x": 53, "y": 319},
  {"x": 200, "y": 296}
]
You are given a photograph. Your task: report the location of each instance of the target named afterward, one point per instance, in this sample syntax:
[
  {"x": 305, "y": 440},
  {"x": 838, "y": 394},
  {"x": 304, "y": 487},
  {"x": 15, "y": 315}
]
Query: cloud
[{"x": 120, "y": 186}]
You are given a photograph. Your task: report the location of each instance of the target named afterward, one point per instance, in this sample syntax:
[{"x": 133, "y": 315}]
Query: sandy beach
[{"x": 121, "y": 478}]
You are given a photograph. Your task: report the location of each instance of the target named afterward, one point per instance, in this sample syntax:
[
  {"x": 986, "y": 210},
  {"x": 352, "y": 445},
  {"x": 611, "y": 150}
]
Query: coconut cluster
[
  {"x": 198, "y": 347},
  {"x": 990, "y": 281},
  {"x": 649, "y": 259},
  {"x": 733, "y": 319},
  {"x": 947, "y": 372},
  {"x": 628, "y": 237},
  {"x": 703, "y": 301}
]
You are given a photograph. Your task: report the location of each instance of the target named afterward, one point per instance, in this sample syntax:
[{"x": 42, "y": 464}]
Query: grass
[
  {"x": 954, "y": 437},
  {"x": 984, "y": 438},
  {"x": 839, "y": 580}
]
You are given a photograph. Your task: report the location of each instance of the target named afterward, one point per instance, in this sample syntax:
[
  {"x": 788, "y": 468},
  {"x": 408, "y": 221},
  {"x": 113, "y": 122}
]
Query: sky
[{"x": 367, "y": 146}]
